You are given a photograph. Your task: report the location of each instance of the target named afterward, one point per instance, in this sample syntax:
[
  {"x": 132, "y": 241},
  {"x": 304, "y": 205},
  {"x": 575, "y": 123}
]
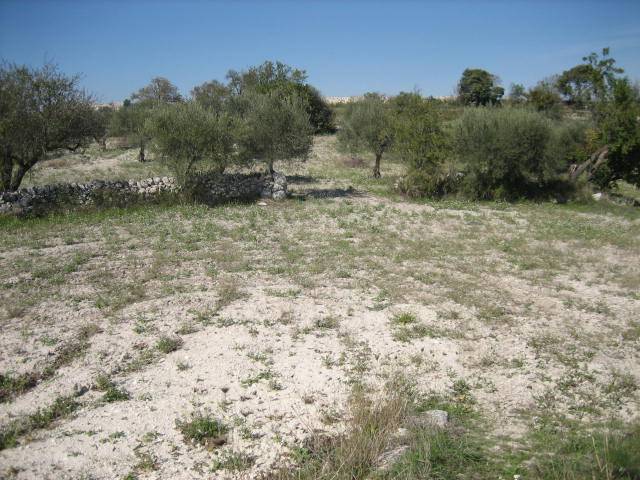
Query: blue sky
[{"x": 347, "y": 47}]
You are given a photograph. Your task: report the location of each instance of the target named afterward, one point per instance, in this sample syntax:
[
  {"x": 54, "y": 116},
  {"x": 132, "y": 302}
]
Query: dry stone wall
[{"x": 209, "y": 189}]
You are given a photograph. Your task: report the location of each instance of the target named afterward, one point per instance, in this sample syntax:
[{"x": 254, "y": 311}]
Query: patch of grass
[
  {"x": 42, "y": 418},
  {"x": 203, "y": 429},
  {"x": 11, "y": 386},
  {"x": 252, "y": 380},
  {"x": 147, "y": 462},
  {"x": 405, "y": 318},
  {"x": 187, "y": 328},
  {"x": 233, "y": 462},
  {"x": 326, "y": 323},
  {"x": 115, "y": 394},
  {"x": 573, "y": 451},
  {"x": 229, "y": 290},
  {"x": 169, "y": 344},
  {"x": 370, "y": 430}
]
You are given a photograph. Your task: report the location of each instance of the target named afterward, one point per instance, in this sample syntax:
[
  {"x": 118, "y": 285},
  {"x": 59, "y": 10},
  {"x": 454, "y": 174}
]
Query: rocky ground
[{"x": 120, "y": 328}]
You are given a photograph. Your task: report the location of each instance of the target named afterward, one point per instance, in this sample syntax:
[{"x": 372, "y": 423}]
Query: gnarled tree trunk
[
  {"x": 376, "y": 167},
  {"x": 591, "y": 165}
]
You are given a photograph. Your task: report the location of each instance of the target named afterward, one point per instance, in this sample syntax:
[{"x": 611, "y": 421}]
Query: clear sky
[{"x": 347, "y": 47}]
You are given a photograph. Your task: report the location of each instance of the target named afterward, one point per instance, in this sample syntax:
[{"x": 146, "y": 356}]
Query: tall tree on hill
[
  {"x": 590, "y": 82},
  {"x": 479, "y": 87}
]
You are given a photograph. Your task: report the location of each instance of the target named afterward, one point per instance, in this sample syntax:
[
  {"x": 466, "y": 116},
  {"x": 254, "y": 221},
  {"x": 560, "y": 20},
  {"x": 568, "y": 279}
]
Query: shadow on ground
[{"x": 327, "y": 193}]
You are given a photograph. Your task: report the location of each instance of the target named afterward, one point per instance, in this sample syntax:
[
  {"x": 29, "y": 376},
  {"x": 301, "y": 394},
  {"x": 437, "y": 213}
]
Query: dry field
[{"x": 121, "y": 330}]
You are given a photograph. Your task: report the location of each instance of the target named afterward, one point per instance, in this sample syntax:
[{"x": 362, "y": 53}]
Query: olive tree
[
  {"x": 421, "y": 141},
  {"x": 213, "y": 95},
  {"x": 269, "y": 77},
  {"x": 274, "y": 126},
  {"x": 41, "y": 109},
  {"x": 367, "y": 125},
  {"x": 189, "y": 138},
  {"x": 129, "y": 120}
]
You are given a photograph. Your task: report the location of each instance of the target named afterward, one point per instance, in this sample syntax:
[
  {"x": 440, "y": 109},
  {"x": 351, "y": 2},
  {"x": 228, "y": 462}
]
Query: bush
[{"x": 509, "y": 153}]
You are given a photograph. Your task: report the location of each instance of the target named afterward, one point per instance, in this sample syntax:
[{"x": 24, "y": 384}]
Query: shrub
[
  {"x": 507, "y": 154},
  {"x": 545, "y": 98},
  {"x": 203, "y": 429},
  {"x": 169, "y": 344}
]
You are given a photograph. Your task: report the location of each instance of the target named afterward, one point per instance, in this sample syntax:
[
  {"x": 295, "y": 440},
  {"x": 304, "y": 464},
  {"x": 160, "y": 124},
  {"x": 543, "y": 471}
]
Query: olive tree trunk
[{"x": 376, "y": 167}]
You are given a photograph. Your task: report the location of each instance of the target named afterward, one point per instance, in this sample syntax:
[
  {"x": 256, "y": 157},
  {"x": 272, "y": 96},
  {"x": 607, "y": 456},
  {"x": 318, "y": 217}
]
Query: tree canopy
[
  {"x": 367, "y": 124},
  {"x": 479, "y": 87},
  {"x": 274, "y": 127},
  {"x": 159, "y": 90},
  {"x": 189, "y": 138},
  {"x": 41, "y": 110}
]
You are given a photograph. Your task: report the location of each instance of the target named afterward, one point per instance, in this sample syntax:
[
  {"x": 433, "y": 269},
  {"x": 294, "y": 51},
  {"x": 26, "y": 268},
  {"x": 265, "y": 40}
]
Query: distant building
[
  {"x": 114, "y": 105},
  {"x": 337, "y": 100},
  {"x": 355, "y": 98}
]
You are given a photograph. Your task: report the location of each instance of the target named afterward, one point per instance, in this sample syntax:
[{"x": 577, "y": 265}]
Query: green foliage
[
  {"x": 368, "y": 125},
  {"x": 479, "y": 87},
  {"x": 201, "y": 429},
  {"x": 169, "y": 344},
  {"x": 545, "y": 98},
  {"x": 619, "y": 128},
  {"x": 129, "y": 121},
  {"x": 159, "y": 90},
  {"x": 114, "y": 394},
  {"x": 42, "y": 418},
  {"x": 517, "y": 94},
  {"x": 274, "y": 127},
  {"x": 189, "y": 138},
  {"x": 505, "y": 153},
  {"x": 270, "y": 77},
  {"x": 421, "y": 141},
  {"x": 590, "y": 82},
  {"x": 40, "y": 110},
  {"x": 212, "y": 95},
  {"x": 575, "y": 452}
]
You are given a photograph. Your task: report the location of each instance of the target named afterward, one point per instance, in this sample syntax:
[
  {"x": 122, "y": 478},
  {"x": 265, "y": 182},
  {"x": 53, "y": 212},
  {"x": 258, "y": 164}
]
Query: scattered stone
[
  {"x": 431, "y": 418},
  {"x": 212, "y": 189},
  {"x": 387, "y": 459}
]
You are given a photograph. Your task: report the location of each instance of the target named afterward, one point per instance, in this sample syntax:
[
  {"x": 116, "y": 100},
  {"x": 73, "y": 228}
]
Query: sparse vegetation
[
  {"x": 515, "y": 320},
  {"x": 203, "y": 429}
]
